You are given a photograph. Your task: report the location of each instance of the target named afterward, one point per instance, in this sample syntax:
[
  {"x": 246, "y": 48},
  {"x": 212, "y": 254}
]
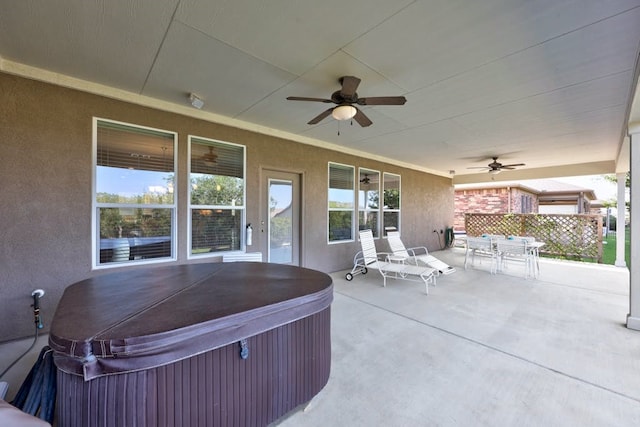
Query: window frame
[
  {"x": 363, "y": 171},
  {"x": 354, "y": 203},
  {"x": 191, "y": 207},
  {"x": 96, "y": 206},
  {"x": 384, "y": 209}
]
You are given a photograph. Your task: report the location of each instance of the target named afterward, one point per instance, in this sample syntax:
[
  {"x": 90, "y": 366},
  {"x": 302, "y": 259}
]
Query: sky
[
  {"x": 605, "y": 190},
  {"x": 130, "y": 182}
]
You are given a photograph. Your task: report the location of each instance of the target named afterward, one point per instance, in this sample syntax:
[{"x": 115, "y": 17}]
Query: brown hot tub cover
[
  {"x": 139, "y": 319},
  {"x": 237, "y": 344}
]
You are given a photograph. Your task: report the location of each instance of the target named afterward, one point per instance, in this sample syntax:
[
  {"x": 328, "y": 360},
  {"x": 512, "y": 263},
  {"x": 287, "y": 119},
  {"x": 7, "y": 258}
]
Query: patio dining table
[{"x": 532, "y": 254}]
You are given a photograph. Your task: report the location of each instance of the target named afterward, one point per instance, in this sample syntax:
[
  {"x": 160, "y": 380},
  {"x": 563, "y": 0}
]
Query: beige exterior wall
[{"x": 46, "y": 172}]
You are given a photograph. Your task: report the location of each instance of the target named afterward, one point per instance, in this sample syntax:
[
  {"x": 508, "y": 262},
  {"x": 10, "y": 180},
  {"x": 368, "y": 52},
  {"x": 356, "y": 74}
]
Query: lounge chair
[
  {"x": 369, "y": 258},
  {"x": 418, "y": 255}
]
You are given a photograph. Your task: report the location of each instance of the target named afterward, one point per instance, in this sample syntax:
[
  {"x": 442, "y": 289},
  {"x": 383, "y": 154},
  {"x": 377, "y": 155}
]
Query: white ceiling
[{"x": 544, "y": 82}]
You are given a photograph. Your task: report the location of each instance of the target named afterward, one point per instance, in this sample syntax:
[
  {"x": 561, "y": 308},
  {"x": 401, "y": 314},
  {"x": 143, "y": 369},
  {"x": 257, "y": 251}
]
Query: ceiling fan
[
  {"x": 210, "y": 158},
  {"x": 344, "y": 100},
  {"x": 365, "y": 180},
  {"x": 496, "y": 167}
]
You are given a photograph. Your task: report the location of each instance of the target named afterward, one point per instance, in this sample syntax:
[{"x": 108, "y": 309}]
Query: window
[
  {"x": 369, "y": 200},
  {"x": 391, "y": 207},
  {"x": 526, "y": 205},
  {"x": 341, "y": 202},
  {"x": 216, "y": 196},
  {"x": 134, "y": 199}
]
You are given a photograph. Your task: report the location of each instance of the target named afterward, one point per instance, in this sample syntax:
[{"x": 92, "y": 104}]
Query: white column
[
  {"x": 620, "y": 221},
  {"x": 633, "y": 318}
]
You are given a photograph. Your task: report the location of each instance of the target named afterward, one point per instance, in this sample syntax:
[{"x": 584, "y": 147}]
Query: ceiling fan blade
[
  {"x": 303, "y": 98},
  {"x": 382, "y": 100},
  {"x": 512, "y": 166},
  {"x": 349, "y": 86},
  {"x": 362, "y": 120},
  {"x": 317, "y": 119}
]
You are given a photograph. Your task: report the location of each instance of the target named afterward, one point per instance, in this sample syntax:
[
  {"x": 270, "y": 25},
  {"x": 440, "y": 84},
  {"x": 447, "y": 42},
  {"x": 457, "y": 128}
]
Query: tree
[
  {"x": 217, "y": 190},
  {"x": 614, "y": 178},
  {"x": 219, "y": 228}
]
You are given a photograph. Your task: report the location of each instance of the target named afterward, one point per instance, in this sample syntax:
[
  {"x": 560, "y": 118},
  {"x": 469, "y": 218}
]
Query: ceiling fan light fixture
[
  {"x": 344, "y": 112},
  {"x": 495, "y": 171}
]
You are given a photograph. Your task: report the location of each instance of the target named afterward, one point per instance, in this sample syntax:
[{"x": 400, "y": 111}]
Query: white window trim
[
  {"x": 95, "y": 232},
  {"x": 380, "y": 218},
  {"x": 399, "y": 210},
  {"x": 243, "y": 220},
  {"x": 354, "y": 210}
]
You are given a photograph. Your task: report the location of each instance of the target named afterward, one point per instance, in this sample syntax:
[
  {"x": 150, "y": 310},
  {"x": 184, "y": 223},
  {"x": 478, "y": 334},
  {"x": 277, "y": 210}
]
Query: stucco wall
[{"x": 46, "y": 168}]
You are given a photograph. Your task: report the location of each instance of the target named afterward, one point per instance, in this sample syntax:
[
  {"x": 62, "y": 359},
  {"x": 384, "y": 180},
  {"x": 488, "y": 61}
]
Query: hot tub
[{"x": 218, "y": 344}]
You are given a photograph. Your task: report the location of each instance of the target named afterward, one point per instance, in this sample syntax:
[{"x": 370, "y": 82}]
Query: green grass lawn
[{"x": 609, "y": 249}]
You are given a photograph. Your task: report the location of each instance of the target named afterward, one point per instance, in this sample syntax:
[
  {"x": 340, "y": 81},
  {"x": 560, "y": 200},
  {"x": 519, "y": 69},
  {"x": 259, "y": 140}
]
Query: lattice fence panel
[{"x": 568, "y": 236}]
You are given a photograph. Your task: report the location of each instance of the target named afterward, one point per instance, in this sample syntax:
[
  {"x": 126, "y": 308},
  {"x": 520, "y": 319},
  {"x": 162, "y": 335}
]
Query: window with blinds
[
  {"x": 134, "y": 193},
  {"x": 391, "y": 206},
  {"x": 526, "y": 205},
  {"x": 341, "y": 200},
  {"x": 217, "y": 196},
  {"x": 369, "y": 200}
]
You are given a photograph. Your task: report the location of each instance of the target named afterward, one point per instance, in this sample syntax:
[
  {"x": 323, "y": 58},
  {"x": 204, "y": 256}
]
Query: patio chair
[
  {"x": 516, "y": 250},
  {"x": 483, "y": 246},
  {"x": 534, "y": 246},
  {"x": 417, "y": 255},
  {"x": 396, "y": 269}
]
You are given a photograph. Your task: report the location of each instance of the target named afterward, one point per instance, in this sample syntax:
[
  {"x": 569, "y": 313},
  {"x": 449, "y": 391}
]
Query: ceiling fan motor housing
[{"x": 338, "y": 98}]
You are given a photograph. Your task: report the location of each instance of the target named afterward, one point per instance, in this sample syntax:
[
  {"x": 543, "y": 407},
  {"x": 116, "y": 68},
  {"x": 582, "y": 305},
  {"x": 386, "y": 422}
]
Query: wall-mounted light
[
  {"x": 196, "y": 101},
  {"x": 344, "y": 112}
]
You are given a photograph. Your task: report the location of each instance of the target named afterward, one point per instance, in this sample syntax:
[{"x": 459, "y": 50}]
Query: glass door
[{"x": 283, "y": 212}]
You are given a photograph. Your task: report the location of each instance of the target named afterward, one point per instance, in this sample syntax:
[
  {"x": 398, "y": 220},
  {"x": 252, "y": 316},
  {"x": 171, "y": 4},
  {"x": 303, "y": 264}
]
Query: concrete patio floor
[
  {"x": 479, "y": 350},
  {"x": 482, "y": 349}
]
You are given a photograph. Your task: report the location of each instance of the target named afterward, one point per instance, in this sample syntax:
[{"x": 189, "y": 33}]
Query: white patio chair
[
  {"x": 484, "y": 247},
  {"x": 516, "y": 250},
  {"x": 395, "y": 270},
  {"x": 534, "y": 248},
  {"x": 417, "y": 255}
]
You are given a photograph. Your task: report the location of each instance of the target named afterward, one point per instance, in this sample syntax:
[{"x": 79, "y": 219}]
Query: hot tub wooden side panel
[{"x": 286, "y": 367}]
